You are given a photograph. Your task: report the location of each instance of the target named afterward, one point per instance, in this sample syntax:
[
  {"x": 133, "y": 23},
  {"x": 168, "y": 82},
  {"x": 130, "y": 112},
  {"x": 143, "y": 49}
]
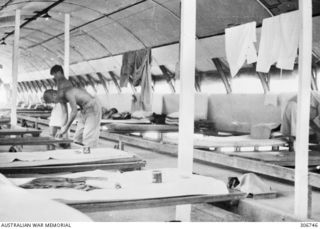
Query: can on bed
[
  {"x": 156, "y": 176},
  {"x": 86, "y": 150}
]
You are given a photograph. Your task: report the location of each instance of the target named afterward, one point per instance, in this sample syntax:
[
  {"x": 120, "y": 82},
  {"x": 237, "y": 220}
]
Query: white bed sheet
[{"x": 134, "y": 185}]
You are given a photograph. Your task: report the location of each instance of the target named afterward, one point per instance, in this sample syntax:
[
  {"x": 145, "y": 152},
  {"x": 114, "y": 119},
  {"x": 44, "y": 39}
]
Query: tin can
[
  {"x": 86, "y": 150},
  {"x": 156, "y": 176}
]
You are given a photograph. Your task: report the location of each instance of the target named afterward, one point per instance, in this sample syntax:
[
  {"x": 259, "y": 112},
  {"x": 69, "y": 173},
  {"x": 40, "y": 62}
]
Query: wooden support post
[
  {"x": 15, "y": 64},
  {"x": 66, "y": 45},
  {"x": 187, "y": 91},
  {"x": 187, "y": 80},
  {"x": 301, "y": 162},
  {"x": 217, "y": 63}
]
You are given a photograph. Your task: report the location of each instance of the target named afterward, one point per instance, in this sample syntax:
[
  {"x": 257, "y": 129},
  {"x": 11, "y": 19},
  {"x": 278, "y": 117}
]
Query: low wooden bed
[
  {"x": 136, "y": 190},
  {"x": 19, "y": 131},
  {"x": 141, "y": 128},
  {"x": 69, "y": 160},
  {"x": 19, "y": 141}
]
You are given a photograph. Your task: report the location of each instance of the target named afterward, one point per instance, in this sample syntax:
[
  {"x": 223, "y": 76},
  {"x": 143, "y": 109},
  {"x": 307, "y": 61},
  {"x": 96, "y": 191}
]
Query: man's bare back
[{"x": 76, "y": 96}]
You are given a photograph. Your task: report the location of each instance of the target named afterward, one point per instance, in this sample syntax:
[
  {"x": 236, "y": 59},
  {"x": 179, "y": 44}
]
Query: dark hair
[
  {"x": 55, "y": 69},
  {"x": 48, "y": 94}
]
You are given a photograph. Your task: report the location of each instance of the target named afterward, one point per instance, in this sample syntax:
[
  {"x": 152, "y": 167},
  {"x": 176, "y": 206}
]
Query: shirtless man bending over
[
  {"x": 88, "y": 127},
  {"x": 59, "y": 116}
]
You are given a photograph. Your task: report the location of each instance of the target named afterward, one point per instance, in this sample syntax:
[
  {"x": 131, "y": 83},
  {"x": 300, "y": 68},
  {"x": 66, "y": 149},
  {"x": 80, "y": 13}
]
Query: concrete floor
[{"x": 278, "y": 209}]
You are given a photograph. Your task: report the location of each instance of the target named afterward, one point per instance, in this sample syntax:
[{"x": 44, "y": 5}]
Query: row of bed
[{"x": 104, "y": 180}]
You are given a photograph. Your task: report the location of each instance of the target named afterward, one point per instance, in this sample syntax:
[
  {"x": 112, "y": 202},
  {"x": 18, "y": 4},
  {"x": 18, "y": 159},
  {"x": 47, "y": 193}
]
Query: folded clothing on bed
[{"x": 173, "y": 119}]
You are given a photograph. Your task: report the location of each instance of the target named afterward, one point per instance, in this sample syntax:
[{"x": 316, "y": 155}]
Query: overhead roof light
[{"x": 46, "y": 16}]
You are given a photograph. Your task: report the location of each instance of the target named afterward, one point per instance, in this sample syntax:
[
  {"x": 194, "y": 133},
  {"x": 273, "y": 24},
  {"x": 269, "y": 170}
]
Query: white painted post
[
  {"x": 303, "y": 112},
  {"x": 187, "y": 88},
  {"x": 187, "y": 82},
  {"x": 15, "y": 63},
  {"x": 66, "y": 45}
]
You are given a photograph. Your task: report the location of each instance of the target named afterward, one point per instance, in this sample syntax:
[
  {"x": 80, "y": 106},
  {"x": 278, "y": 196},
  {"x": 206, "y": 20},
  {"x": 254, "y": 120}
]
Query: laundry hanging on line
[
  {"x": 279, "y": 42},
  {"x": 137, "y": 64},
  {"x": 240, "y": 46}
]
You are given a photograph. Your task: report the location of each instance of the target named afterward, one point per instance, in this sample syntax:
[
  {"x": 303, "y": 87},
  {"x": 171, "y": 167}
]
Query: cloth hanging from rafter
[
  {"x": 240, "y": 46},
  {"x": 279, "y": 42},
  {"x": 137, "y": 64}
]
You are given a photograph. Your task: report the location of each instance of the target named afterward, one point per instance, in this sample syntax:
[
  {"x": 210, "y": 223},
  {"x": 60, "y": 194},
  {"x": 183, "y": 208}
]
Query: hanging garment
[
  {"x": 279, "y": 42},
  {"x": 240, "y": 46},
  {"x": 269, "y": 44},
  {"x": 138, "y": 65},
  {"x": 127, "y": 68},
  {"x": 289, "y": 34}
]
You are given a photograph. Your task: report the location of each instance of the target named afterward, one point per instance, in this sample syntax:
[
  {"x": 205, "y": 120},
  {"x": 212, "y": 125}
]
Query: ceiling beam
[
  {"x": 34, "y": 17},
  {"x": 97, "y": 19}
]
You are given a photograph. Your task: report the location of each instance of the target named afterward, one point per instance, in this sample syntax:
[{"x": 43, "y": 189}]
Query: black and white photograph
[{"x": 183, "y": 113}]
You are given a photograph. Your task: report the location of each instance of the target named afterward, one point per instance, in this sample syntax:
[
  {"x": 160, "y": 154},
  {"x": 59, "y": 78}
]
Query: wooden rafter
[
  {"x": 102, "y": 80},
  {"x": 314, "y": 79},
  {"x": 74, "y": 82},
  {"x": 51, "y": 83},
  {"x": 81, "y": 81},
  {"x": 26, "y": 89},
  {"x": 20, "y": 87},
  {"x": 29, "y": 86},
  {"x": 169, "y": 77},
  {"x": 36, "y": 85},
  {"x": 264, "y": 81},
  {"x": 219, "y": 66},
  {"x": 198, "y": 79},
  {"x": 115, "y": 78},
  {"x": 44, "y": 84},
  {"x": 91, "y": 82}
]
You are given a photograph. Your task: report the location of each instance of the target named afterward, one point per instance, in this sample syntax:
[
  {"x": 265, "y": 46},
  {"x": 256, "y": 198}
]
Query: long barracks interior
[{"x": 159, "y": 110}]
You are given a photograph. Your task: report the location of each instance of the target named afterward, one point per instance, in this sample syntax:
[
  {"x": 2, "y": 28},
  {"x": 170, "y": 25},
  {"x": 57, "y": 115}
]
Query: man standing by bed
[
  {"x": 289, "y": 118},
  {"x": 88, "y": 127}
]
